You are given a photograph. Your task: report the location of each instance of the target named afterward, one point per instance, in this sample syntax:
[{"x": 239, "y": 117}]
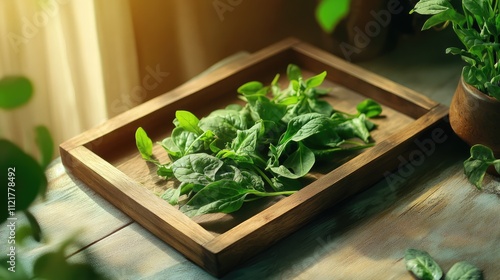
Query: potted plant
[{"x": 475, "y": 106}]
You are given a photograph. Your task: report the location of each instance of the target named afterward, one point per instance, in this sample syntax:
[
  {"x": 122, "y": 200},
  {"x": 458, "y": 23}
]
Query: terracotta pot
[{"x": 475, "y": 117}]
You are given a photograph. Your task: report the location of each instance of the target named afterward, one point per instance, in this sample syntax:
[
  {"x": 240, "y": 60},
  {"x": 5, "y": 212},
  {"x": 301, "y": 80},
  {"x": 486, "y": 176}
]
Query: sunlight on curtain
[{"x": 80, "y": 57}]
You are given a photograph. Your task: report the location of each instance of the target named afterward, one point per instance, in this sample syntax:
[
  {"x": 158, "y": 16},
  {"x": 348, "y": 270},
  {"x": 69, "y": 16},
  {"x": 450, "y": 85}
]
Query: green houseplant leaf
[
  {"x": 330, "y": 12},
  {"x": 477, "y": 26},
  {"x": 431, "y": 7}
]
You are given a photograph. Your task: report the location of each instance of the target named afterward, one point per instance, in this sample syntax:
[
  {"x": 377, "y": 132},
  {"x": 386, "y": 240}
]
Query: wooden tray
[{"x": 106, "y": 158}]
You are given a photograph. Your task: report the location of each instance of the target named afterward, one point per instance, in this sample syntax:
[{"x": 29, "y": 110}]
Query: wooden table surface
[{"x": 428, "y": 204}]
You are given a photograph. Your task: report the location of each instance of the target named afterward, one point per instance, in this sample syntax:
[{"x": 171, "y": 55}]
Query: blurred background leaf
[
  {"x": 330, "y": 12},
  {"x": 15, "y": 91},
  {"x": 29, "y": 177},
  {"x": 45, "y": 145}
]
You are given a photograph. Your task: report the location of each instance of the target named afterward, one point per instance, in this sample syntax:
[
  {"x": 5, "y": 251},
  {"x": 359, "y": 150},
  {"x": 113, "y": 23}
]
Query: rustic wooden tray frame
[{"x": 88, "y": 156}]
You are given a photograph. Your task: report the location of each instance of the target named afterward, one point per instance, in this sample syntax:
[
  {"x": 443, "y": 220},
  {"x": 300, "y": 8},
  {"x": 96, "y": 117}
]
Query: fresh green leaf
[
  {"x": 144, "y": 143},
  {"x": 316, "y": 81},
  {"x": 431, "y": 7},
  {"x": 293, "y": 72},
  {"x": 251, "y": 180},
  {"x": 224, "y": 124},
  {"x": 165, "y": 170},
  {"x": 320, "y": 106},
  {"x": 493, "y": 90},
  {"x": 297, "y": 164},
  {"x": 303, "y": 126},
  {"x": 15, "y": 91},
  {"x": 187, "y": 142},
  {"x": 250, "y": 88},
  {"x": 422, "y": 265},
  {"x": 449, "y": 15},
  {"x": 481, "y": 157},
  {"x": 330, "y": 12},
  {"x": 45, "y": 145},
  {"x": 173, "y": 151},
  {"x": 223, "y": 196},
  {"x": 197, "y": 169},
  {"x": 171, "y": 195},
  {"x": 479, "y": 8},
  {"x": 188, "y": 121},
  {"x": 282, "y": 184},
  {"x": 22, "y": 173},
  {"x": 355, "y": 127},
  {"x": 245, "y": 142},
  {"x": 267, "y": 110},
  {"x": 464, "y": 271},
  {"x": 369, "y": 107}
]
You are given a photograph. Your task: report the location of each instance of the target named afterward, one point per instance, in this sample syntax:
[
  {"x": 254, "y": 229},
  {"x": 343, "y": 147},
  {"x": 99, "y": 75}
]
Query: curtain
[
  {"x": 184, "y": 38},
  {"x": 81, "y": 59}
]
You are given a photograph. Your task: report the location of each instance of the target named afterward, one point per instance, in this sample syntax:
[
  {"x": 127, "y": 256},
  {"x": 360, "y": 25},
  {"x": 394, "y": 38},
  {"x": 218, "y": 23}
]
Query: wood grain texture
[
  {"x": 106, "y": 159},
  {"x": 149, "y": 210}
]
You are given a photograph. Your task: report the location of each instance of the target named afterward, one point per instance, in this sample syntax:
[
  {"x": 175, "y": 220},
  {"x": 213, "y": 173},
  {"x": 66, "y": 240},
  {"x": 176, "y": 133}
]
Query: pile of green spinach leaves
[{"x": 259, "y": 149}]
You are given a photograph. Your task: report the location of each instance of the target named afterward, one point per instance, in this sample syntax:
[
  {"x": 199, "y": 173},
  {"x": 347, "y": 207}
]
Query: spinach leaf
[
  {"x": 316, "y": 81},
  {"x": 421, "y": 264},
  {"x": 246, "y": 141},
  {"x": 223, "y": 196},
  {"x": 297, "y": 164},
  {"x": 265, "y": 109},
  {"x": 197, "y": 169},
  {"x": 355, "y": 127},
  {"x": 251, "y": 88},
  {"x": 369, "y": 107},
  {"x": 303, "y": 126},
  {"x": 171, "y": 195},
  {"x": 224, "y": 124},
  {"x": 188, "y": 121},
  {"x": 144, "y": 143},
  {"x": 464, "y": 271},
  {"x": 481, "y": 158}
]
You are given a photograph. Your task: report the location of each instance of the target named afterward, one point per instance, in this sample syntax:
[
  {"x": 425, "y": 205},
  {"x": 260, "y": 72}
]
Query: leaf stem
[
  {"x": 266, "y": 178},
  {"x": 273, "y": 193}
]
